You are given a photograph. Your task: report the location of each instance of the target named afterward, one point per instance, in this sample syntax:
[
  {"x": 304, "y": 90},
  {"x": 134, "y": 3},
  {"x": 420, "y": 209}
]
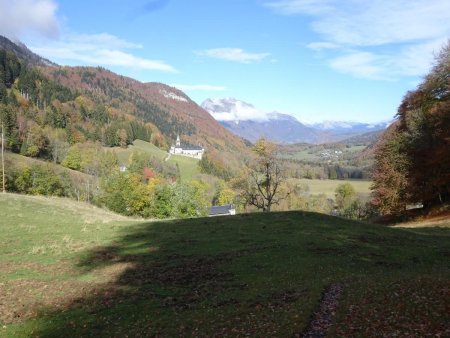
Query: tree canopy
[
  {"x": 263, "y": 183},
  {"x": 413, "y": 159}
]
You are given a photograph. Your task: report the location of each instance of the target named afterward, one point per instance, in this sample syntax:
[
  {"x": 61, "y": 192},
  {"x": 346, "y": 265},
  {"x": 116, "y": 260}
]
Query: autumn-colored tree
[
  {"x": 212, "y": 163},
  {"x": 425, "y": 117},
  {"x": 412, "y": 162},
  {"x": 36, "y": 142},
  {"x": 391, "y": 165},
  {"x": 265, "y": 177},
  {"x": 224, "y": 194},
  {"x": 158, "y": 140},
  {"x": 125, "y": 193}
]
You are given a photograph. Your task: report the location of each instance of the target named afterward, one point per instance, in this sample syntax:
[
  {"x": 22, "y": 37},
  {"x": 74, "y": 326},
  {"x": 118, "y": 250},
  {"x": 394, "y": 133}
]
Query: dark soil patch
[{"x": 322, "y": 319}]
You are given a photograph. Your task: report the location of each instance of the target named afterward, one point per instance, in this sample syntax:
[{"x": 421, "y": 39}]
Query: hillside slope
[
  {"x": 98, "y": 105},
  {"x": 23, "y": 53},
  {"x": 66, "y": 273},
  {"x": 169, "y": 109}
]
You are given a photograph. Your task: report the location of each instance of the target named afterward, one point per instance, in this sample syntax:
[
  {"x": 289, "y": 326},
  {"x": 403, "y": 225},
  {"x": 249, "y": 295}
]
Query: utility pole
[{"x": 3, "y": 160}]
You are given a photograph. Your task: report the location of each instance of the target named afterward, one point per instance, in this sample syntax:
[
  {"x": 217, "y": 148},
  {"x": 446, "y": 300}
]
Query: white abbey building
[{"x": 187, "y": 150}]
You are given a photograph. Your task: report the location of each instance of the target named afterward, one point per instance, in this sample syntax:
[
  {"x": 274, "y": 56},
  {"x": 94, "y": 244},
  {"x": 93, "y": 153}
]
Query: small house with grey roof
[{"x": 222, "y": 210}]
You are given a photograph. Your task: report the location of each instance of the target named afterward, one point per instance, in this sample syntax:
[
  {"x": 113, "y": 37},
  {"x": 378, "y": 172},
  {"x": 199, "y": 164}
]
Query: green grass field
[
  {"x": 328, "y": 187},
  {"x": 188, "y": 166},
  {"x": 71, "y": 270},
  {"x": 139, "y": 146}
]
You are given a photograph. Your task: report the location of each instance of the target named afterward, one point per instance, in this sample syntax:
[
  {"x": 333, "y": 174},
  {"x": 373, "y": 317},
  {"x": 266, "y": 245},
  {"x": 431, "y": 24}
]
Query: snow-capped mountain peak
[
  {"x": 245, "y": 120},
  {"x": 231, "y": 109},
  {"x": 251, "y": 123}
]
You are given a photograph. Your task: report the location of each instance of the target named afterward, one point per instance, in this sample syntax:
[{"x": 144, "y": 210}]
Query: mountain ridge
[
  {"x": 245, "y": 120},
  {"x": 24, "y": 53}
]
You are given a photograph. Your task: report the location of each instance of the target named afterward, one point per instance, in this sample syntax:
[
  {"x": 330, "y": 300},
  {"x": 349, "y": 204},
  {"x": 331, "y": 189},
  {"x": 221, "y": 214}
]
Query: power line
[{"x": 3, "y": 161}]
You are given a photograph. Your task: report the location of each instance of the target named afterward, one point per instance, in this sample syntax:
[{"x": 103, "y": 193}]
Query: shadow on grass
[
  {"x": 156, "y": 271},
  {"x": 174, "y": 279},
  {"x": 258, "y": 275}
]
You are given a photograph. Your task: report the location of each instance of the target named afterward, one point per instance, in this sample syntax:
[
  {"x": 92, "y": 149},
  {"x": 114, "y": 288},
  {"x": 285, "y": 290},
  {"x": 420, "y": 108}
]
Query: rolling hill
[{"x": 75, "y": 270}]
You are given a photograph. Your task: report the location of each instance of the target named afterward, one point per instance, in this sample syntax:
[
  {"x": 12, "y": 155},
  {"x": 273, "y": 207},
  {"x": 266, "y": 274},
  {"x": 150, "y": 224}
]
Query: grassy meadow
[
  {"x": 70, "y": 269},
  {"x": 188, "y": 166},
  {"x": 139, "y": 146},
  {"x": 328, "y": 187}
]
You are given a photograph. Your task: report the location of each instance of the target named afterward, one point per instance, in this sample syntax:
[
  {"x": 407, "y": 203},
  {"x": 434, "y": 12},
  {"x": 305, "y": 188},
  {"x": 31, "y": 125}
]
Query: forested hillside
[
  {"x": 71, "y": 118},
  {"x": 82, "y": 104}
]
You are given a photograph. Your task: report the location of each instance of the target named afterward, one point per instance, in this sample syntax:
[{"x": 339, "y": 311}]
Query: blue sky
[{"x": 314, "y": 59}]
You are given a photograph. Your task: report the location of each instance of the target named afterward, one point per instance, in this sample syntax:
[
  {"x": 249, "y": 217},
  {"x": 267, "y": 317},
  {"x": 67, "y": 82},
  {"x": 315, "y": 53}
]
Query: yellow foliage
[
  {"x": 154, "y": 182},
  {"x": 226, "y": 196}
]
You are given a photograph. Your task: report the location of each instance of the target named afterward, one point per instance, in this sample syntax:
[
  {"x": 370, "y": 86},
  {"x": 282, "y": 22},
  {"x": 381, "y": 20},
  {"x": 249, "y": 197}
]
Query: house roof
[
  {"x": 220, "y": 209},
  {"x": 189, "y": 147}
]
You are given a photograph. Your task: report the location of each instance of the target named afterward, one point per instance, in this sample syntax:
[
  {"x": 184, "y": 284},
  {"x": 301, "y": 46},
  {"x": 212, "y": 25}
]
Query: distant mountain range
[
  {"x": 347, "y": 129},
  {"x": 245, "y": 120}
]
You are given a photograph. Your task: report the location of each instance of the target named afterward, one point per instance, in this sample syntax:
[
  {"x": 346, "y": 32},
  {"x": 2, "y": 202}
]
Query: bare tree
[{"x": 262, "y": 188}]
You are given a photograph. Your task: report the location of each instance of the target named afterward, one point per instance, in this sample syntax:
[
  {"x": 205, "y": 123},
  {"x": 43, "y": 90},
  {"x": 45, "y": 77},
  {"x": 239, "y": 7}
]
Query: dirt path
[{"x": 323, "y": 317}]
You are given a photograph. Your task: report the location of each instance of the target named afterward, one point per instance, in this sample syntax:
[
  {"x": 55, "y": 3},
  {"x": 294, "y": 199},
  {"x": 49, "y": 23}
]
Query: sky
[{"x": 345, "y": 60}]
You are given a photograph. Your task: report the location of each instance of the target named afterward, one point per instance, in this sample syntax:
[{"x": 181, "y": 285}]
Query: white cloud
[
  {"x": 230, "y": 109},
  {"x": 380, "y": 22},
  {"x": 25, "y": 16},
  {"x": 233, "y": 54},
  {"x": 361, "y": 64},
  {"x": 199, "y": 87},
  {"x": 101, "y": 40},
  {"x": 99, "y": 49},
  {"x": 417, "y": 59},
  {"x": 412, "y": 60},
  {"x": 38, "y": 18},
  {"x": 377, "y": 39}
]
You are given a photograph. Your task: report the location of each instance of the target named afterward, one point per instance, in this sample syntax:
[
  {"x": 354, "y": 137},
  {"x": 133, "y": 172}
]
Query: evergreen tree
[{"x": 8, "y": 118}]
